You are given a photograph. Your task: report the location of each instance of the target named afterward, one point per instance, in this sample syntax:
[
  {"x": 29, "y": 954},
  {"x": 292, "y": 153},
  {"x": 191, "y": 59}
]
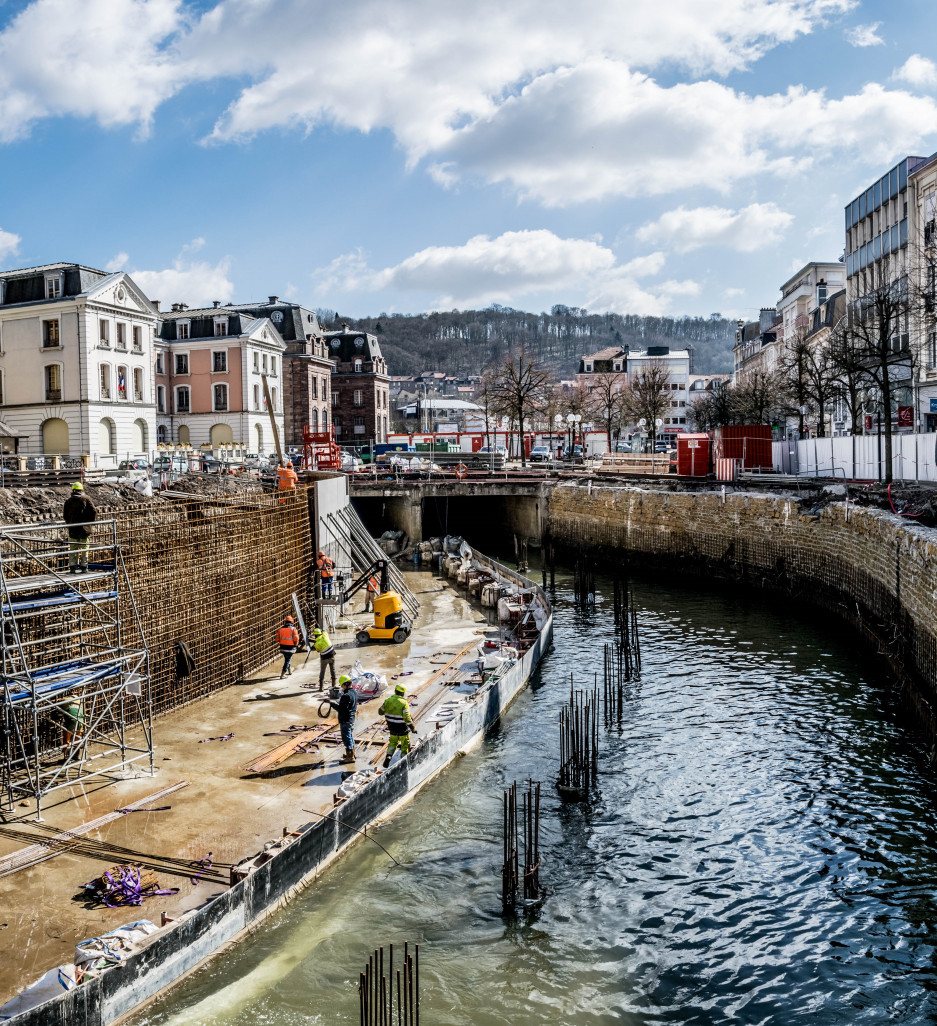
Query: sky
[{"x": 399, "y": 156}]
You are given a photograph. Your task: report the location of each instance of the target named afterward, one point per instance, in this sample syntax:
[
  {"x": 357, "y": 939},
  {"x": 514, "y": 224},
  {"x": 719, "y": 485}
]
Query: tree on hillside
[
  {"x": 606, "y": 401},
  {"x": 648, "y": 396},
  {"x": 517, "y": 384}
]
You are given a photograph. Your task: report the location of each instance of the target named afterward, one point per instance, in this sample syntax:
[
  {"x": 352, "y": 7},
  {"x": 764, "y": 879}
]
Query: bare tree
[
  {"x": 606, "y": 401},
  {"x": 809, "y": 376},
  {"x": 877, "y": 326},
  {"x": 714, "y": 408},
  {"x": 648, "y": 396},
  {"x": 759, "y": 399},
  {"x": 517, "y": 386}
]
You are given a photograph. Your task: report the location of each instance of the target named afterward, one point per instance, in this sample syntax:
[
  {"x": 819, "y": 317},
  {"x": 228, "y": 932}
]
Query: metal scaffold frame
[{"x": 74, "y": 667}]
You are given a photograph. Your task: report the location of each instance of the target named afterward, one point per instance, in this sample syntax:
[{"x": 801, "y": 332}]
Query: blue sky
[{"x": 407, "y": 155}]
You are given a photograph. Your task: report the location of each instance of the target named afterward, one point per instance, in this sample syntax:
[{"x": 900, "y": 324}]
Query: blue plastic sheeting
[
  {"x": 67, "y": 675},
  {"x": 65, "y": 598}
]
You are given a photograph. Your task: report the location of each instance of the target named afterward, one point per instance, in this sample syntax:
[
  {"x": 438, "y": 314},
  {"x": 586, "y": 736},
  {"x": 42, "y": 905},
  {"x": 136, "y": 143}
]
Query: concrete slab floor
[{"x": 223, "y": 810}]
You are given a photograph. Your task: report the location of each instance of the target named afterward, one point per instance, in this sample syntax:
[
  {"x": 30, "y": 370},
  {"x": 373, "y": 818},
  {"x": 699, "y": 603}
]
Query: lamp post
[
  {"x": 570, "y": 420},
  {"x": 576, "y": 427},
  {"x": 558, "y": 424}
]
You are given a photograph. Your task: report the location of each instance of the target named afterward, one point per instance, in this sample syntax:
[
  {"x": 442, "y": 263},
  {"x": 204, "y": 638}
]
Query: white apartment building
[
  {"x": 803, "y": 292},
  {"x": 922, "y": 214},
  {"x": 679, "y": 366},
  {"x": 76, "y": 357}
]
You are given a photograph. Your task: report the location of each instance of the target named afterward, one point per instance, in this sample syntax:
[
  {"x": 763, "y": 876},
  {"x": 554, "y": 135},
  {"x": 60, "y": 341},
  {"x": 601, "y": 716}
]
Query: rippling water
[{"x": 763, "y": 850}]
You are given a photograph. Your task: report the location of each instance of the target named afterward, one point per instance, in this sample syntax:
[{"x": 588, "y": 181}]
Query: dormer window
[
  {"x": 221, "y": 327},
  {"x": 182, "y": 329},
  {"x": 358, "y": 366},
  {"x": 53, "y": 286}
]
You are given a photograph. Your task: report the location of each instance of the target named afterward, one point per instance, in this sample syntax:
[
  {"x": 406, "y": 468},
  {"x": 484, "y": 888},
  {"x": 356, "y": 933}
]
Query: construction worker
[
  {"x": 286, "y": 477},
  {"x": 396, "y": 713},
  {"x": 374, "y": 588},
  {"x": 323, "y": 646},
  {"x": 288, "y": 640},
  {"x": 326, "y": 568},
  {"x": 347, "y": 707},
  {"x": 79, "y": 513}
]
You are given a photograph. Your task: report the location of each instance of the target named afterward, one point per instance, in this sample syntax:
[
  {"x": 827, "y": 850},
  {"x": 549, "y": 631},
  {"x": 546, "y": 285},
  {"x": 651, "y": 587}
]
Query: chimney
[
  {"x": 216, "y": 303},
  {"x": 272, "y": 299}
]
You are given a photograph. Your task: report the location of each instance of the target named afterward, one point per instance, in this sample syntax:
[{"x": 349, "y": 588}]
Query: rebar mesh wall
[
  {"x": 217, "y": 575},
  {"x": 871, "y": 568}
]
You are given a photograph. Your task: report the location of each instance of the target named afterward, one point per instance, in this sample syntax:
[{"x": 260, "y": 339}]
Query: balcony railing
[{"x": 53, "y": 395}]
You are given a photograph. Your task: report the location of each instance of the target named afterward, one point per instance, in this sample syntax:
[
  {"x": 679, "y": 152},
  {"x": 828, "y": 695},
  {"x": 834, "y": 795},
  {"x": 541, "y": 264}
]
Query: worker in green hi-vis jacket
[{"x": 396, "y": 713}]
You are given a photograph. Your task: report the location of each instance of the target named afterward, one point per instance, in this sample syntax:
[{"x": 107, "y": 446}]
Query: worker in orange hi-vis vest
[
  {"x": 374, "y": 588},
  {"x": 286, "y": 477},
  {"x": 288, "y": 639},
  {"x": 326, "y": 568}
]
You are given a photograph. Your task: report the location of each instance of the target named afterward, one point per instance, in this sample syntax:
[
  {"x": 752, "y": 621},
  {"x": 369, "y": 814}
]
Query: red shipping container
[
  {"x": 692, "y": 455},
  {"x": 748, "y": 443}
]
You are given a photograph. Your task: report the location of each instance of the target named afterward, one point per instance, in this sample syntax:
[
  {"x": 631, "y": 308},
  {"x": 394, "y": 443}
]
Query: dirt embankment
[{"x": 917, "y": 503}]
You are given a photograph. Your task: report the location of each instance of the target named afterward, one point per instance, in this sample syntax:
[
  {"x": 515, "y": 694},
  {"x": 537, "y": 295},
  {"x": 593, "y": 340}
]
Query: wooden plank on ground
[
  {"x": 25, "y": 858},
  {"x": 269, "y": 760}
]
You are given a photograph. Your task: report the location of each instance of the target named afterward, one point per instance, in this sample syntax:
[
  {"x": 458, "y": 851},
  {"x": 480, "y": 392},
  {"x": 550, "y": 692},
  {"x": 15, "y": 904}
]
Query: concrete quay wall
[{"x": 876, "y": 570}]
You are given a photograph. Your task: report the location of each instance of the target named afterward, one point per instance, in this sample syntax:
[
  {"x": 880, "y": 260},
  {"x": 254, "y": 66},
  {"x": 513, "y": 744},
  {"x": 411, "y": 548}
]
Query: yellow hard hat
[{"x": 78, "y": 487}]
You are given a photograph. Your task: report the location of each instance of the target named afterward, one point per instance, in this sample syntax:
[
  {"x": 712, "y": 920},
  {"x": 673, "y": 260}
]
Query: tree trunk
[
  {"x": 886, "y": 416},
  {"x": 520, "y": 429}
]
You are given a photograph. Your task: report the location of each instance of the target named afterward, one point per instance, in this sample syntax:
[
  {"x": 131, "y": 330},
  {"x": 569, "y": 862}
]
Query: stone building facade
[
  {"x": 307, "y": 367},
  {"x": 360, "y": 388}
]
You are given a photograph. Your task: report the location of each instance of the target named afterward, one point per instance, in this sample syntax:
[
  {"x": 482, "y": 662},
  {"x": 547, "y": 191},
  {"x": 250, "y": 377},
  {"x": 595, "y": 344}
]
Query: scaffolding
[{"x": 74, "y": 667}]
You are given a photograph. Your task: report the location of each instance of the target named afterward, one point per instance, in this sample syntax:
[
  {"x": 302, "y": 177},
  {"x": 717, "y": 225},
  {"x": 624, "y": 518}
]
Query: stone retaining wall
[{"x": 875, "y": 569}]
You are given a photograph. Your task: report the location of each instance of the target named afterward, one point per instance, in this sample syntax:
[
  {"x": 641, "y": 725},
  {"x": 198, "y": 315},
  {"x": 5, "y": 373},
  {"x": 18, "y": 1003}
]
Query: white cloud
[
  {"x": 917, "y": 71},
  {"x": 865, "y": 35},
  {"x": 9, "y": 243},
  {"x": 117, "y": 263},
  {"x": 731, "y": 293},
  {"x": 511, "y": 266},
  {"x": 390, "y": 65},
  {"x": 195, "y": 282},
  {"x": 745, "y": 230},
  {"x": 105, "y": 59},
  {"x": 600, "y": 130}
]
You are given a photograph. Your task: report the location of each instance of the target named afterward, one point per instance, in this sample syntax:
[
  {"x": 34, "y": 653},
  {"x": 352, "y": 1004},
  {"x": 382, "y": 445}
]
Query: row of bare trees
[
  {"x": 863, "y": 362},
  {"x": 521, "y": 391}
]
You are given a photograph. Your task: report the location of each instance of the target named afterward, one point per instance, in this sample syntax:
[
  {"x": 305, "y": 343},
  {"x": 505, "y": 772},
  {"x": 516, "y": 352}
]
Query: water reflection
[{"x": 763, "y": 850}]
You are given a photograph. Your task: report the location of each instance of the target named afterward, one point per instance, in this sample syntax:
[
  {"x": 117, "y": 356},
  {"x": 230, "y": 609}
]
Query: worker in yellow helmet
[{"x": 396, "y": 713}]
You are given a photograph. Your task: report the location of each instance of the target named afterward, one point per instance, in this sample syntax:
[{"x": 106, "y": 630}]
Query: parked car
[
  {"x": 540, "y": 454},
  {"x": 494, "y": 448},
  {"x": 662, "y": 447},
  {"x": 574, "y": 455},
  {"x": 170, "y": 465},
  {"x": 133, "y": 468},
  {"x": 623, "y": 447}
]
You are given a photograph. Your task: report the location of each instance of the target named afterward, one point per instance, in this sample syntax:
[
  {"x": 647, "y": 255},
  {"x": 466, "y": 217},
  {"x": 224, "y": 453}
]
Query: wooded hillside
[{"x": 463, "y": 342}]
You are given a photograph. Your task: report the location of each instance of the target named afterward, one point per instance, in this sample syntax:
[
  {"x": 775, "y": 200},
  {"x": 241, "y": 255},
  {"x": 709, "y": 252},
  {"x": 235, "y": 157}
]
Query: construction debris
[{"x": 126, "y": 885}]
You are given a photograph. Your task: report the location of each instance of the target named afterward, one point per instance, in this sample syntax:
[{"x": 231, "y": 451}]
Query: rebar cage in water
[
  {"x": 74, "y": 667},
  {"x": 579, "y": 742},
  {"x": 530, "y": 829},
  {"x": 376, "y": 997}
]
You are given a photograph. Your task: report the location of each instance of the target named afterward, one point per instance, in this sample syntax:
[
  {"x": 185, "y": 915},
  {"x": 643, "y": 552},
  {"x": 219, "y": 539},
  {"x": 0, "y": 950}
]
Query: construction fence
[{"x": 859, "y": 457}]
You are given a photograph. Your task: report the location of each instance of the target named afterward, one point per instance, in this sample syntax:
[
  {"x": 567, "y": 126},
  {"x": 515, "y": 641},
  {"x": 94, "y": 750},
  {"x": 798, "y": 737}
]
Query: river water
[{"x": 763, "y": 850}]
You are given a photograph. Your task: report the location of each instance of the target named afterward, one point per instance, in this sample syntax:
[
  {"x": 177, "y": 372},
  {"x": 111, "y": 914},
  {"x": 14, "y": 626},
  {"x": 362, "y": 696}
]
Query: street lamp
[
  {"x": 558, "y": 423},
  {"x": 576, "y": 428},
  {"x": 570, "y": 420}
]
